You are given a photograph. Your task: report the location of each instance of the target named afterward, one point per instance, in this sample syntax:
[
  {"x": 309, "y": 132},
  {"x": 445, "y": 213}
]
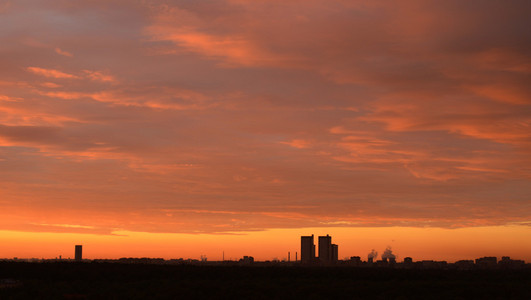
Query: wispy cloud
[
  {"x": 65, "y": 225},
  {"x": 51, "y": 73},
  {"x": 99, "y": 76},
  {"x": 63, "y": 53}
]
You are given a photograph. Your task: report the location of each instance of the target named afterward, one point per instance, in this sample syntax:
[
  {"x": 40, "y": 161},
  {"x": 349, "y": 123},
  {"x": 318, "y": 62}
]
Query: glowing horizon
[{"x": 419, "y": 243}]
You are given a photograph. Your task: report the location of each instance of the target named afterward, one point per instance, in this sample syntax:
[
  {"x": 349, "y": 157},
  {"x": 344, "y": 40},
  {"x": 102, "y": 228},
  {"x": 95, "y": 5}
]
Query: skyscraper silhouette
[
  {"x": 325, "y": 249},
  {"x": 307, "y": 249}
]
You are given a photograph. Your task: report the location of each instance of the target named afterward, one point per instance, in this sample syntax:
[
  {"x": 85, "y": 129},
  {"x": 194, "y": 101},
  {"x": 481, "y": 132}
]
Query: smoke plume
[
  {"x": 373, "y": 254},
  {"x": 388, "y": 254}
]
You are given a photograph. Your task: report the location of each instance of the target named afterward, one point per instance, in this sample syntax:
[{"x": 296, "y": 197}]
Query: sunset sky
[{"x": 174, "y": 128}]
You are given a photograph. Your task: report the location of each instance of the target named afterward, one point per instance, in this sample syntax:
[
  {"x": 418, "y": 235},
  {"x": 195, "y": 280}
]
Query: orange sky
[
  {"x": 265, "y": 118},
  {"x": 418, "y": 243}
]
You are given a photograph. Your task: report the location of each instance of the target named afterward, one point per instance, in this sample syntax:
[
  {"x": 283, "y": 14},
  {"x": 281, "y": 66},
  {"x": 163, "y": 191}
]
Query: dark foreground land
[{"x": 137, "y": 281}]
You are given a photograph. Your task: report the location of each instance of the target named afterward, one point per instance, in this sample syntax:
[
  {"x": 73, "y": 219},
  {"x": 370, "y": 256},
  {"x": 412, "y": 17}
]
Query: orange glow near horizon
[{"x": 419, "y": 243}]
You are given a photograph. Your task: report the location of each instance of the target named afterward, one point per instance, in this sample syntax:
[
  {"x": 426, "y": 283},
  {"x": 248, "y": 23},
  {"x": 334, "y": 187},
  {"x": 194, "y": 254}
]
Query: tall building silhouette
[
  {"x": 325, "y": 249},
  {"x": 335, "y": 253},
  {"x": 328, "y": 252},
  {"x": 307, "y": 249},
  {"x": 79, "y": 253}
]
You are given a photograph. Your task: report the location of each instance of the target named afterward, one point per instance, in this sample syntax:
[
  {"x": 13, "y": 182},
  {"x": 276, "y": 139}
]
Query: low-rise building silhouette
[
  {"x": 431, "y": 264},
  {"x": 247, "y": 260},
  {"x": 355, "y": 261},
  {"x": 464, "y": 264},
  {"x": 507, "y": 263},
  {"x": 408, "y": 262},
  {"x": 487, "y": 262}
]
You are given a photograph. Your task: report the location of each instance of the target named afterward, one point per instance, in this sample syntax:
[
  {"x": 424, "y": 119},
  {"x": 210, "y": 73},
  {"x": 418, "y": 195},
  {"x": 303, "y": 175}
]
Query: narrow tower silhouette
[{"x": 79, "y": 253}]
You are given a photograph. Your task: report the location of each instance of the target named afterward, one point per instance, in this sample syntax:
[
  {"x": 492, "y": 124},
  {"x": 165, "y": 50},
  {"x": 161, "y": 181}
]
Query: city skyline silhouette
[
  {"x": 325, "y": 256},
  {"x": 264, "y": 149}
]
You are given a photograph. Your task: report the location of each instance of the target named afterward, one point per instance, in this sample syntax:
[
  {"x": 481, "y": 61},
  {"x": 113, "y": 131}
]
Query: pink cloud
[
  {"x": 233, "y": 50},
  {"x": 504, "y": 93},
  {"x": 10, "y": 99},
  {"x": 63, "y": 53},
  {"x": 64, "y": 95},
  {"x": 298, "y": 143},
  {"x": 51, "y": 73},
  {"x": 99, "y": 76},
  {"x": 50, "y": 85}
]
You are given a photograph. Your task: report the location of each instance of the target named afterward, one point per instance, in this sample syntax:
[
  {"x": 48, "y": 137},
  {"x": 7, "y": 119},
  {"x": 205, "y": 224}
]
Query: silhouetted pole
[{"x": 289, "y": 256}]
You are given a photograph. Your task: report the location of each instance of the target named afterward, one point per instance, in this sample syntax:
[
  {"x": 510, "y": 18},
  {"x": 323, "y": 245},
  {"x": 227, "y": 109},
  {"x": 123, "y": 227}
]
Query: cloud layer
[{"x": 222, "y": 116}]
